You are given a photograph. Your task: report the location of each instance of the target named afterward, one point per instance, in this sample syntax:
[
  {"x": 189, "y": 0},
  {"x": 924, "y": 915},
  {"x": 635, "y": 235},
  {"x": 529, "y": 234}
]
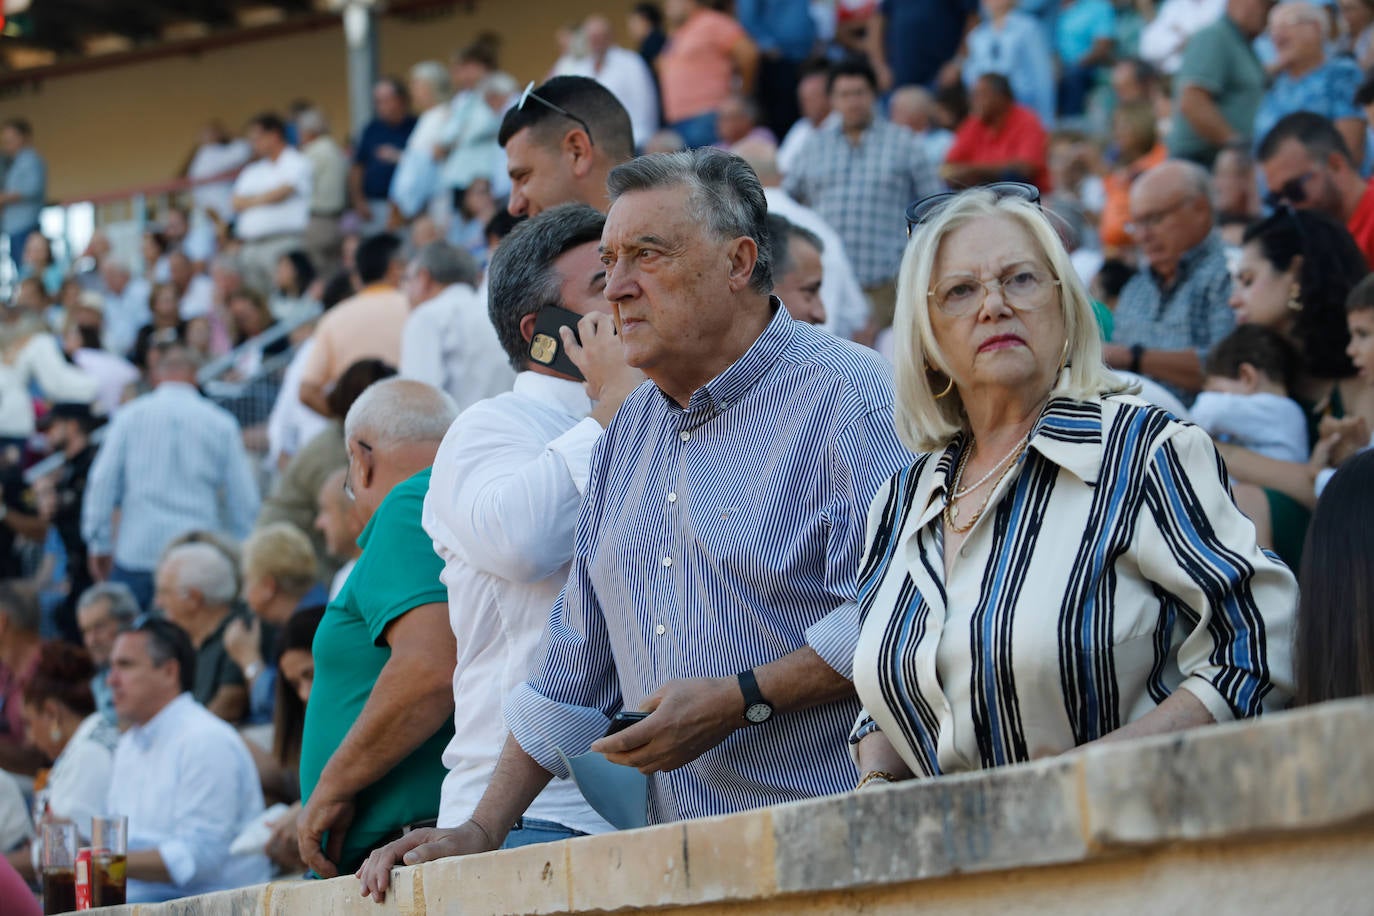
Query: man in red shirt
[
  {"x": 999, "y": 140},
  {"x": 1308, "y": 166}
]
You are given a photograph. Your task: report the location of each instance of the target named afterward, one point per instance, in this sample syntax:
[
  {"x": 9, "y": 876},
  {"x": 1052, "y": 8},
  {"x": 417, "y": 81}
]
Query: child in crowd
[
  {"x": 1340, "y": 438},
  {"x": 1245, "y": 398}
]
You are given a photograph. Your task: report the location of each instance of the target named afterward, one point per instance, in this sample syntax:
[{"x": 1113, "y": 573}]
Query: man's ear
[
  {"x": 743, "y": 254},
  {"x": 366, "y": 467},
  {"x": 577, "y": 146},
  {"x": 527, "y": 326}
]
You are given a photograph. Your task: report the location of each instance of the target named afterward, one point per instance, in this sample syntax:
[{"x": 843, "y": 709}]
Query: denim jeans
[{"x": 533, "y": 831}]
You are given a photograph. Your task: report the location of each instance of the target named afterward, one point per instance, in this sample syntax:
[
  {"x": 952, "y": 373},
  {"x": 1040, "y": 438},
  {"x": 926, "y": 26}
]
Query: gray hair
[
  {"x": 118, "y": 598},
  {"x": 434, "y": 73},
  {"x": 399, "y": 411},
  {"x": 19, "y": 602},
  {"x": 447, "y": 265},
  {"x": 203, "y": 568},
  {"x": 500, "y": 82},
  {"x": 521, "y": 279},
  {"x": 724, "y": 193},
  {"x": 312, "y": 121}
]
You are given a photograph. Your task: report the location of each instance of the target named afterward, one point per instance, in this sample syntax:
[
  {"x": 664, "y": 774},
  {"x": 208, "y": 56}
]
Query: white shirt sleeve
[
  {"x": 59, "y": 379},
  {"x": 422, "y": 338}
]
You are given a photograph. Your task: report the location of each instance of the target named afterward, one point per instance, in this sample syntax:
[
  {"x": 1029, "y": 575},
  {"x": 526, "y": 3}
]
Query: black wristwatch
[
  {"x": 756, "y": 708},
  {"x": 1137, "y": 351}
]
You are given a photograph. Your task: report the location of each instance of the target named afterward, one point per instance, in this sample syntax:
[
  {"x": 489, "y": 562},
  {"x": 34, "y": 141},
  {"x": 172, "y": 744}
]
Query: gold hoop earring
[{"x": 931, "y": 370}]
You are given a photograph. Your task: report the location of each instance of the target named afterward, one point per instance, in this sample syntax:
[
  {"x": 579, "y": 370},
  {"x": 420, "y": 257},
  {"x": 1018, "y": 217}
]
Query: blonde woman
[{"x": 1064, "y": 562}]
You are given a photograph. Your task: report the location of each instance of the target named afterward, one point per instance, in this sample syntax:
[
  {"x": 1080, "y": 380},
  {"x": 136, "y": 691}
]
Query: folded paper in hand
[{"x": 619, "y": 794}]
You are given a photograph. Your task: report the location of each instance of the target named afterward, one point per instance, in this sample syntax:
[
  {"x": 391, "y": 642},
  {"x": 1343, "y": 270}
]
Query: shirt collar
[
  {"x": 147, "y": 734},
  {"x": 170, "y": 387},
  {"x": 732, "y": 384},
  {"x": 564, "y": 394}
]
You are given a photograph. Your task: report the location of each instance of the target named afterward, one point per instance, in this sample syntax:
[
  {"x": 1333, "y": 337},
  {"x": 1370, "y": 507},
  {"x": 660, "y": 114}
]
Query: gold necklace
[
  {"x": 950, "y": 508},
  {"x": 1015, "y": 450}
]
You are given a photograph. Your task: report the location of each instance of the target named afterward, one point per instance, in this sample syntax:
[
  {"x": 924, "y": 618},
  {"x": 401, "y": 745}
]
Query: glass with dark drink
[
  {"x": 57, "y": 867},
  {"x": 109, "y": 859}
]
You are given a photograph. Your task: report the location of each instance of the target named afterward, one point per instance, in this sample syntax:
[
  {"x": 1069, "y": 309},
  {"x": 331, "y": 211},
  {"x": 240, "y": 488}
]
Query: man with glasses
[
  {"x": 381, "y": 709},
  {"x": 561, "y": 140},
  {"x": 1307, "y": 166},
  {"x": 1175, "y": 308},
  {"x": 183, "y": 777}
]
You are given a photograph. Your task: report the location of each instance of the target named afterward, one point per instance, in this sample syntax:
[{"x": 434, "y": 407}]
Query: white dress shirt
[
  {"x": 846, "y": 306},
  {"x": 187, "y": 784},
  {"x": 291, "y": 424},
  {"x": 628, "y": 78},
  {"x": 449, "y": 342},
  {"x": 1163, "y": 40},
  {"x": 285, "y": 216},
  {"x": 502, "y": 507},
  {"x": 39, "y": 360},
  {"x": 213, "y": 159}
]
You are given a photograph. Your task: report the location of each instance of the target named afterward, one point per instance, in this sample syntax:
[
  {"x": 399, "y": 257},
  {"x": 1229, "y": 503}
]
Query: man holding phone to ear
[{"x": 504, "y": 497}]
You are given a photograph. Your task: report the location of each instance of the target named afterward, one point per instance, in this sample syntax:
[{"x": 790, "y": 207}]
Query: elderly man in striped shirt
[{"x": 723, "y": 522}]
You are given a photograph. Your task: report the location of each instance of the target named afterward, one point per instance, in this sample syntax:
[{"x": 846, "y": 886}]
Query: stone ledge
[{"x": 1295, "y": 775}]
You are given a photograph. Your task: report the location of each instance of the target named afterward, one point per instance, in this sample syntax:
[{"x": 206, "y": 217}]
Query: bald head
[
  {"x": 911, "y": 107},
  {"x": 392, "y": 432},
  {"x": 1171, "y": 210}
]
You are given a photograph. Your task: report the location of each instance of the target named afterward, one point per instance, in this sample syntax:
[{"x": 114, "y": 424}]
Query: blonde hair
[
  {"x": 925, "y": 423},
  {"x": 281, "y": 551}
]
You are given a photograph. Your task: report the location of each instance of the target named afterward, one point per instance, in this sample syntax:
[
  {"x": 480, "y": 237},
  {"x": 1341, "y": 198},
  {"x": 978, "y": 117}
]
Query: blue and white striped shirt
[
  {"x": 709, "y": 540},
  {"x": 171, "y": 462}
]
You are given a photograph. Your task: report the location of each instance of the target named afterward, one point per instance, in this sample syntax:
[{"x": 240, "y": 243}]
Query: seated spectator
[
  {"x": 737, "y": 120},
  {"x": 1296, "y": 268},
  {"x": 913, "y": 107},
  {"x": 795, "y": 254},
  {"x": 115, "y": 377},
  {"x": 1219, "y": 83},
  {"x": 1175, "y": 308},
  {"x": 217, "y": 159},
  {"x": 1245, "y": 399},
  {"x": 1307, "y": 80},
  {"x": 62, "y": 722},
  {"x": 1236, "y": 185},
  {"x": 710, "y": 52},
  {"x": 297, "y": 676},
  {"x": 294, "y": 497},
  {"x": 196, "y": 588},
  {"x": 1000, "y": 140},
  {"x": 622, "y": 71},
  {"x": 279, "y": 578},
  {"x": 467, "y": 147},
  {"x": 416, "y": 179},
  {"x": 467, "y": 230},
  {"x": 1133, "y": 82},
  {"x": 181, "y": 776},
  {"x": 367, "y": 326},
  {"x": 1138, "y": 151},
  {"x": 165, "y": 325},
  {"x": 1012, "y": 44},
  {"x": 328, "y": 188},
  {"x": 34, "y": 360},
  {"x": 292, "y": 299},
  {"x": 995, "y": 443},
  {"x": 195, "y": 289},
  {"x": 271, "y": 200},
  {"x": 1084, "y": 40},
  {"x": 20, "y": 654},
  {"x": 339, "y": 525},
  {"x": 449, "y": 341},
  {"x": 378, "y": 150},
  {"x": 101, "y": 611},
  {"x": 1107, "y": 285},
  {"x": 37, "y": 261},
  {"x": 1307, "y": 165},
  {"x": 814, "y": 101},
  {"x": 251, "y": 317},
  {"x": 375, "y": 731}
]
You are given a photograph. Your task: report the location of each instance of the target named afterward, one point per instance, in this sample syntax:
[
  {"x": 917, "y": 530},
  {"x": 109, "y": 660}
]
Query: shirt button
[
  {"x": 660, "y": 629},
  {"x": 672, "y": 497},
  {"x": 667, "y": 561},
  {"x": 684, "y": 435}
]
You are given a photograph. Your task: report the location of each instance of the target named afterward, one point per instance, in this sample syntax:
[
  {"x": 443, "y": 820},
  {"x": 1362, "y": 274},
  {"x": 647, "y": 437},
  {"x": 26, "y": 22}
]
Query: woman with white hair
[{"x": 1063, "y": 563}]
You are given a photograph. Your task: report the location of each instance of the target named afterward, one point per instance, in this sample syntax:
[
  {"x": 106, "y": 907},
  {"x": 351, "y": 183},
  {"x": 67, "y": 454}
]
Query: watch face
[{"x": 759, "y": 712}]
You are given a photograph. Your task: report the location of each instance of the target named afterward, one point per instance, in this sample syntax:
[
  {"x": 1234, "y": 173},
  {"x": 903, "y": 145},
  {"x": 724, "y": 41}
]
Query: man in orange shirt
[
  {"x": 1308, "y": 166},
  {"x": 1137, "y": 139},
  {"x": 706, "y": 51},
  {"x": 1000, "y": 140},
  {"x": 366, "y": 326}
]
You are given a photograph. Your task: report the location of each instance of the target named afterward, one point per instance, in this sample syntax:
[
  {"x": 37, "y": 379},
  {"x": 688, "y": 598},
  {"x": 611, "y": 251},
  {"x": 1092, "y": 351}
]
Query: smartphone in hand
[
  {"x": 623, "y": 720},
  {"x": 546, "y": 346}
]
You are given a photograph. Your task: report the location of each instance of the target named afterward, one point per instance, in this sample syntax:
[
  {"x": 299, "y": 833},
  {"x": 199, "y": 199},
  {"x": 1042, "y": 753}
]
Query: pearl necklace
[
  {"x": 961, "y": 493},
  {"x": 951, "y": 510}
]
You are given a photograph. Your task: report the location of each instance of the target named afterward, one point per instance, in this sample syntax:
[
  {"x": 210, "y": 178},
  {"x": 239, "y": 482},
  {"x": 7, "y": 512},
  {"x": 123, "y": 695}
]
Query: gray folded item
[{"x": 619, "y": 794}]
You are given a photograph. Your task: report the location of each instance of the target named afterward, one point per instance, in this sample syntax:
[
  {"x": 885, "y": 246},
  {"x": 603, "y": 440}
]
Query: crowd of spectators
[{"x": 549, "y": 373}]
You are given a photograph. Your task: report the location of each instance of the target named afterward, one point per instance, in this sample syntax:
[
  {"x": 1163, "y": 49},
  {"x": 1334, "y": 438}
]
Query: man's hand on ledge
[
  {"x": 424, "y": 845},
  {"x": 690, "y": 717}
]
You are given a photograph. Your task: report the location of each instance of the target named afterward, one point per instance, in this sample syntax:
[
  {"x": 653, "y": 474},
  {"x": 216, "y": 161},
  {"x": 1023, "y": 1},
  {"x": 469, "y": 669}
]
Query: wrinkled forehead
[
  {"x": 987, "y": 246},
  {"x": 661, "y": 213}
]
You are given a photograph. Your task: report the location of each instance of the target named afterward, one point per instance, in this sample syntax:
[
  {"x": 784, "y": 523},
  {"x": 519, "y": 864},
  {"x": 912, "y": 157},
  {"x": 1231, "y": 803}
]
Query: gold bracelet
[{"x": 873, "y": 776}]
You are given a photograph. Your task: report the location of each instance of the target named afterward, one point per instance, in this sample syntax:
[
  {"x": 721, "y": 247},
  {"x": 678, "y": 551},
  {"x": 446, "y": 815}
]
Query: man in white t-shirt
[
  {"x": 272, "y": 200},
  {"x": 448, "y": 340},
  {"x": 621, "y": 71}
]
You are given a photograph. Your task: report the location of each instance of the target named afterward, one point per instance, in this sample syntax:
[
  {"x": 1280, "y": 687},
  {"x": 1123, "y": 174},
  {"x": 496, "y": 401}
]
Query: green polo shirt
[
  {"x": 397, "y": 572},
  {"x": 1220, "y": 60}
]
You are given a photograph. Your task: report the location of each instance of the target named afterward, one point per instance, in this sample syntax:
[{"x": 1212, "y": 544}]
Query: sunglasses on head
[
  {"x": 1293, "y": 191},
  {"x": 925, "y": 209},
  {"x": 529, "y": 93}
]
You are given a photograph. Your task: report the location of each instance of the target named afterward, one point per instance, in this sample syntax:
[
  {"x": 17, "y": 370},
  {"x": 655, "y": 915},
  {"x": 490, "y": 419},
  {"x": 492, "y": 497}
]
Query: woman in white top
[
  {"x": 1063, "y": 563},
  {"x": 60, "y": 719},
  {"x": 29, "y": 353}
]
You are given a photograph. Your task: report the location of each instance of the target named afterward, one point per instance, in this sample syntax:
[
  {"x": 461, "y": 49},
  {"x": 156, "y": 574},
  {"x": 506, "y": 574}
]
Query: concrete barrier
[{"x": 1268, "y": 816}]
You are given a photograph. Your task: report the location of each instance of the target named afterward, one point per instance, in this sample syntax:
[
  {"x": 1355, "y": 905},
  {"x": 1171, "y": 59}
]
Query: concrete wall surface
[{"x": 1273, "y": 816}]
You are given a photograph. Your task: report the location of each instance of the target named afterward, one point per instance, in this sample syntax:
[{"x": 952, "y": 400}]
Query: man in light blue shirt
[
  {"x": 183, "y": 778},
  {"x": 25, "y": 185},
  {"x": 1013, "y": 44},
  {"x": 171, "y": 462}
]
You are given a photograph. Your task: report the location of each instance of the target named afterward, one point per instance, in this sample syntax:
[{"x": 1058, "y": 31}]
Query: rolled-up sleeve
[
  {"x": 1237, "y": 602},
  {"x": 208, "y": 816}
]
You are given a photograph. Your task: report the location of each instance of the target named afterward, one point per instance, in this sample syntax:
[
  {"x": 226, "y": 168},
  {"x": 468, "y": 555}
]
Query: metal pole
[{"x": 360, "y": 33}]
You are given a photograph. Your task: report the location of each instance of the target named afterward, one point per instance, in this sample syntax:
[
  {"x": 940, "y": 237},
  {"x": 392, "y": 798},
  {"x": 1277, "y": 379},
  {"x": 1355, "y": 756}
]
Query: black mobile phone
[
  {"x": 546, "y": 346},
  {"x": 623, "y": 720}
]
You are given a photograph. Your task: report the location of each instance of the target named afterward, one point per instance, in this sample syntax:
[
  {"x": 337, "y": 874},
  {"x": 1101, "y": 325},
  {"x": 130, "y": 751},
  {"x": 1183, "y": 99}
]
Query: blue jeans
[
  {"x": 533, "y": 831},
  {"x": 140, "y": 582}
]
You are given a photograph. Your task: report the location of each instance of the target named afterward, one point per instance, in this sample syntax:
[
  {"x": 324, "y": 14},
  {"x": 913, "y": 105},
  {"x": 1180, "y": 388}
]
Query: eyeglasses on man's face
[
  {"x": 529, "y": 93},
  {"x": 348, "y": 471}
]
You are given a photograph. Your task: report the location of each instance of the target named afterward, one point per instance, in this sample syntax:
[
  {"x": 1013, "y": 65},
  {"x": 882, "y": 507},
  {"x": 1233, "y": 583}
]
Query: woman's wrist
[{"x": 875, "y": 776}]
